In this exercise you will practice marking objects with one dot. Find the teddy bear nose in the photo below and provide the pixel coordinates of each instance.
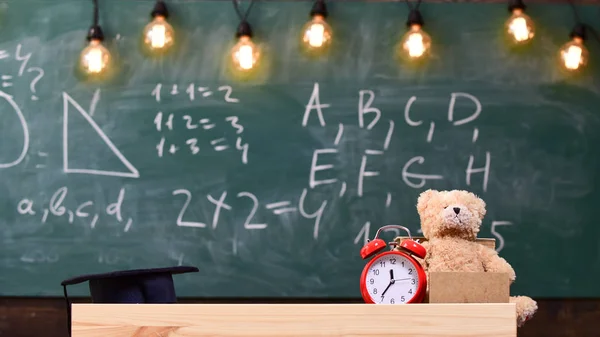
(456, 210)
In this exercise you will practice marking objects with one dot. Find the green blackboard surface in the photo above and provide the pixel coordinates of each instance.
(128, 173)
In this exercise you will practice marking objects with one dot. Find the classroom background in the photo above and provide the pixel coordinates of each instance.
(269, 168)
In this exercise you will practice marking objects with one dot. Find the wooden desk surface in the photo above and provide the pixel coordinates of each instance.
(282, 320)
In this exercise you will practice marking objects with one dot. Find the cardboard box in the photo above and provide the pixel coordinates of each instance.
(462, 287)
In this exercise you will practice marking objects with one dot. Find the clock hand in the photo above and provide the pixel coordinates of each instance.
(402, 279)
(391, 282)
(386, 289)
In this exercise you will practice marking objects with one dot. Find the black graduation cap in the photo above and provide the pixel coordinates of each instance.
(130, 286)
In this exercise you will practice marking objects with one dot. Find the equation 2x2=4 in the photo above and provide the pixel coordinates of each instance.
(277, 208)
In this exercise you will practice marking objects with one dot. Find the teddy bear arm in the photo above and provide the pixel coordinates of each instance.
(496, 264)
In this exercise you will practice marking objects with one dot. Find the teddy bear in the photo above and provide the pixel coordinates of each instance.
(450, 221)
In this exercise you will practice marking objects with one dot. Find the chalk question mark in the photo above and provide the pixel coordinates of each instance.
(40, 72)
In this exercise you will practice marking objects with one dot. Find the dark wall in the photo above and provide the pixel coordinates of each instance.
(33, 317)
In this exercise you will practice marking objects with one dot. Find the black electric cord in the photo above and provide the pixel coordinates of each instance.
(414, 16)
(95, 31)
(160, 9)
(244, 28)
(581, 29)
(319, 8)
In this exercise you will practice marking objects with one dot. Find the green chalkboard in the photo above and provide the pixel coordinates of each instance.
(174, 161)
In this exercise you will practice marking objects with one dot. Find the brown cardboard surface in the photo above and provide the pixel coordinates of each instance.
(463, 287)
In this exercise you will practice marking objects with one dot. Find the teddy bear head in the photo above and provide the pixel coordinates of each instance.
(454, 213)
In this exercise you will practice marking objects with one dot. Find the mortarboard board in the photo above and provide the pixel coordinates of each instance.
(129, 286)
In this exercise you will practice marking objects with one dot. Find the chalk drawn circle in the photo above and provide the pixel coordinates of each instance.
(14, 105)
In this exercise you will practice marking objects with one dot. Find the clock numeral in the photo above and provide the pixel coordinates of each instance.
(412, 281)
(376, 271)
(382, 263)
(402, 299)
(371, 281)
(402, 263)
(410, 271)
(375, 291)
(392, 301)
(393, 261)
(410, 291)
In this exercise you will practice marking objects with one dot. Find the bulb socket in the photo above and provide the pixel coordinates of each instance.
(414, 18)
(578, 31)
(516, 4)
(244, 29)
(319, 8)
(160, 9)
(95, 33)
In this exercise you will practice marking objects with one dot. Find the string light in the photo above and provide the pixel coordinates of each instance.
(415, 43)
(316, 34)
(95, 58)
(244, 54)
(519, 26)
(159, 34)
(574, 54)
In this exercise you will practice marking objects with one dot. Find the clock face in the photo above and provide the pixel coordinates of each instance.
(392, 279)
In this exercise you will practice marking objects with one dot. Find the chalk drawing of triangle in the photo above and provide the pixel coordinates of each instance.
(131, 171)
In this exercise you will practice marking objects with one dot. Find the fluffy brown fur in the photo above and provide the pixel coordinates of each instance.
(450, 221)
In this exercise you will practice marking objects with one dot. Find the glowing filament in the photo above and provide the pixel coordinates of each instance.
(415, 45)
(316, 35)
(518, 28)
(157, 36)
(572, 57)
(245, 57)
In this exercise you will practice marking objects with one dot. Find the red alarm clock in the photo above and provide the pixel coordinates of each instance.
(393, 277)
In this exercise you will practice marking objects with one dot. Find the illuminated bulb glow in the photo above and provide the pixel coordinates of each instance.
(520, 26)
(159, 34)
(415, 45)
(95, 57)
(416, 42)
(315, 35)
(245, 58)
(572, 57)
(574, 54)
(245, 54)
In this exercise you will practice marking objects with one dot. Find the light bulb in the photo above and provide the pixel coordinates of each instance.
(416, 43)
(95, 57)
(244, 54)
(574, 54)
(316, 34)
(520, 27)
(159, 34)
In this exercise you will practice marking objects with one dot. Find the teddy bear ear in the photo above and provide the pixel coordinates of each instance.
(424, 199)
(480, 207)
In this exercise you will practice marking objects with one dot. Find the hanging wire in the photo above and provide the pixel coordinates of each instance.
(411, 6)
(95, 12)
(244, 17)
(586, 27)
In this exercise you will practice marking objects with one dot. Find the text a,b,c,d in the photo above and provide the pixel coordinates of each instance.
(56, 207)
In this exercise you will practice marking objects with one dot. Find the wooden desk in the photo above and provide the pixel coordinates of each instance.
(282, 320)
